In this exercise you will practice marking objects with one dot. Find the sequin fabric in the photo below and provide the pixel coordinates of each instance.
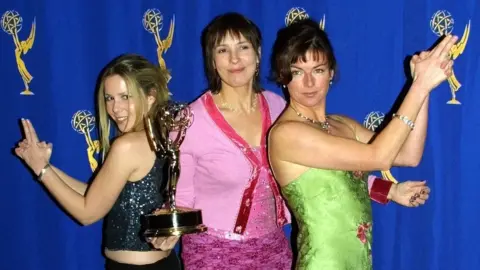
(123, 222)
(262, 246)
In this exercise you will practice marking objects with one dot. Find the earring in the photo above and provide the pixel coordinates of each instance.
(257, 70)
(331, 82)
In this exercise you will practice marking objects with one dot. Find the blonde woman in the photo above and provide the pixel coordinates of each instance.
(129, 180)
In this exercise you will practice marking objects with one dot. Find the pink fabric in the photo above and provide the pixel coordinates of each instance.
(205, 252)
(371, 179)
(262, 215)
(256, 163)
(214, 171)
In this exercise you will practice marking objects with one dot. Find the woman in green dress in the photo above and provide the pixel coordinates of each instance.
(323, 171)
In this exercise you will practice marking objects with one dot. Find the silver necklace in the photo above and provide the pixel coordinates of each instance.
(323, 125)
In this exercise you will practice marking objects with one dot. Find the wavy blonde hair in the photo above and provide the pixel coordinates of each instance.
(143, 79)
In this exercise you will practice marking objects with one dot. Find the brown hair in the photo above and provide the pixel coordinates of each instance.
(292, 43)
(233, 24)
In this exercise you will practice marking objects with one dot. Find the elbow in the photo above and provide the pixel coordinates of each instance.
(411, 161)
(88, 220)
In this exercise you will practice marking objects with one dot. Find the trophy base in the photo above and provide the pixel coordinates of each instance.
(178, 231)
(27, 92)
(454, 101)
(176, 222)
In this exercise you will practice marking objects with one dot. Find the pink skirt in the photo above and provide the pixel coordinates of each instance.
(203, 251)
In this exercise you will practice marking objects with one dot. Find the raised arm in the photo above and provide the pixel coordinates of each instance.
(104, 190)
(411, 152)
(317, 149)
(77, 185)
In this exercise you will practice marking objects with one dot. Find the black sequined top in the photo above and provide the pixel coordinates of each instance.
(123, 230)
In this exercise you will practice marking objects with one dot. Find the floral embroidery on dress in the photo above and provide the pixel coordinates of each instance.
(357, 175)
(364, 234)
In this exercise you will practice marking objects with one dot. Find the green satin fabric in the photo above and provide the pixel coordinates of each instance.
(334, 216)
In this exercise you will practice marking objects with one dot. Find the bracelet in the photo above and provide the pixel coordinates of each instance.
(42, 172)
(380, 189)
(405, 120)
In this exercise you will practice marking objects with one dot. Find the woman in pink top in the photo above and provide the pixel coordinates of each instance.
(224, 167)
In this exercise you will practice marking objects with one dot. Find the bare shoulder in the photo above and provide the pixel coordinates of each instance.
(130, 144)
(286, 130)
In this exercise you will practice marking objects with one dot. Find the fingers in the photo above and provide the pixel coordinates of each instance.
(23, 144)
(18, 151)
(33, 133)
(30, 134)
(26, 130)
(424, 55)
(425, 190)
(164, 243)
(419, 197)
(443, 48)
(415, 184)
(415, 59)
(436, 52)
(170, 242)
(419, 57)
(449, 68)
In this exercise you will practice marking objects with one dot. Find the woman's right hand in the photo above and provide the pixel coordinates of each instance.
(36, 154)
(436, 66)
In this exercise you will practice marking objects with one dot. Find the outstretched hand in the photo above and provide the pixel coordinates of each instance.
(431, 68)
(36, 154)
(410, 193)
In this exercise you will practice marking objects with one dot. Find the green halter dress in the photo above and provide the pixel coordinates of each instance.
(334, 216)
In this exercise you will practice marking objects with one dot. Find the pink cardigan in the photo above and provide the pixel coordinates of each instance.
(218, 170)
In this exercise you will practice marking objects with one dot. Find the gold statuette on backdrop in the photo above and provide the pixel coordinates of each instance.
(165, 135)
(12, 24)
(299, 13)
(153, 23)
(441, 24)
(83, 122)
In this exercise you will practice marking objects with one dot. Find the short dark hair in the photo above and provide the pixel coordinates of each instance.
(236, 25)
(292, 43)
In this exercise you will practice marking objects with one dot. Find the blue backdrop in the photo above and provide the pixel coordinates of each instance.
(52, 52)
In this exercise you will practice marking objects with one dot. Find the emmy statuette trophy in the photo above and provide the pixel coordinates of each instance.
(172, 220)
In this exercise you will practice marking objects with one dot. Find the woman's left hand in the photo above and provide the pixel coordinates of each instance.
(35, 154)
(410, 193)
(164, 243)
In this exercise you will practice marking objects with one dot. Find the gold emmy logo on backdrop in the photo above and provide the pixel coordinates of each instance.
(12, 25)
(441, 24)
(83, 122)
(153, 23)
(372, 121)
(299, 13)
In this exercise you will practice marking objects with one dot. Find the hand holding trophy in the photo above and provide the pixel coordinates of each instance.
(165, 136)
